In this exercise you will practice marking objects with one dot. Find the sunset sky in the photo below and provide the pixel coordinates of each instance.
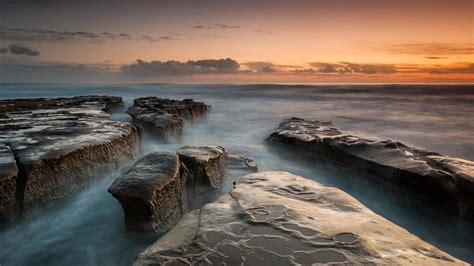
(258, 41)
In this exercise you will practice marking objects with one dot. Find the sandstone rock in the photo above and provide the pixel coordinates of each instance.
(443, 180)
(61, 144)
(152, 193)
(8, 176)
(241, 163)
(275, 218)
(206, 166)
(164, 117)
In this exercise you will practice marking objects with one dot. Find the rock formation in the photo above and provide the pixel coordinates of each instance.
(241, 163)
(152, 193)
(164, 117)
(58, 145)
(444, 180)
(160, 187)
(275, 218)
(206, 166)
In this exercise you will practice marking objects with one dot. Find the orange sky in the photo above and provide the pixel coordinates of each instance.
(293, 41)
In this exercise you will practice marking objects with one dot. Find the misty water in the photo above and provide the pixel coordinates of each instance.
(87, 228)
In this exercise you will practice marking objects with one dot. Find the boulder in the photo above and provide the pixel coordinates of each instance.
(276, 218)
(152, 193)
(164, 117)
(206, 166)
(59, 145)
(441, 179)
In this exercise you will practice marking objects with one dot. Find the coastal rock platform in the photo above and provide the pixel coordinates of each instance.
(441, 179)
(276, 218)
(57, 146)
(164, 117)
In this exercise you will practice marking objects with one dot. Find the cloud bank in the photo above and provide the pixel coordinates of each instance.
(177, 68)
(18, 49)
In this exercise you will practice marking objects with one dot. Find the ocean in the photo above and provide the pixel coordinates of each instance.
(87, 228)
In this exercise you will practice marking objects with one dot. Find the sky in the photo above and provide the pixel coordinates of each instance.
(238, 41)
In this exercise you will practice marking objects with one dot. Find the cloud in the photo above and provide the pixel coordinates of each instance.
(431, 48)
(17, 49)
(261, 66)
(42, 35)
(3, 50)
(225, 26)
(177, 68)
(348, 67)
(216, 26)
(436, 57)
(467, 68)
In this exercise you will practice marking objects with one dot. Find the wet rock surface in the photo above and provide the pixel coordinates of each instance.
(8, 176)
(152, 193)
(276, 218)
(206, 169)
(59, 145)
(241, 163)
(443, 180)
(164, 117)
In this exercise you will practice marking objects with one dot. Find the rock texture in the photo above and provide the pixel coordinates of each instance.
(241, 163)
(443, 180)
(8, 176)
(164, 117)
(206, 166)
(58, 146)
(275, 218)
(152, 193)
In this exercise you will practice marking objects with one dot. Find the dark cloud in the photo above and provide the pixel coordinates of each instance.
(3, 50)
(177, 68)
(216, 26)
(436, 57)
(21, 34)
(347, 67)
(17, 49)
(225, 26)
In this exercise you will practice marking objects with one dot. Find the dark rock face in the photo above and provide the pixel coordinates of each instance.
(61, 144)
(164, 117)
(276, 218)
(206, 166)
(8, 176)
(444, 180)
(152, 193)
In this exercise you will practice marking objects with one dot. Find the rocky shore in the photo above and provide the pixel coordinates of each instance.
(276, 218)
(441, 179)
(52, 147)
(165, 118)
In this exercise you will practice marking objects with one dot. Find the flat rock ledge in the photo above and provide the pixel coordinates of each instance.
(276, 218)
(50, 148)
(164, 117)
(441, 179)
(161, 187)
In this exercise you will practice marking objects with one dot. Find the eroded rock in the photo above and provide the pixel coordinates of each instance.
(61, 144)
(206, 166)
(152, 193)
(241, 163)
(8, 180)
(444, 180)
(165, 117)
(276, 218)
